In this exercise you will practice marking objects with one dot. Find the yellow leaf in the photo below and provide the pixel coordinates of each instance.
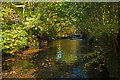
(98, 52)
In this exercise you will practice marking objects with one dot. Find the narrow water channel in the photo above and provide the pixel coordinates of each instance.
(53, 60)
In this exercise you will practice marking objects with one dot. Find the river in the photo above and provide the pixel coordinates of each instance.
(56, 59)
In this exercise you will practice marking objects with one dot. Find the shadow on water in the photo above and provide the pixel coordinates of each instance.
(60, 60)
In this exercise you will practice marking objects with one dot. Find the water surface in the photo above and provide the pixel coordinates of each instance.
(53, 60)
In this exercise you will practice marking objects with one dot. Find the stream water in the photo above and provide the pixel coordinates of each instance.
(57, 59)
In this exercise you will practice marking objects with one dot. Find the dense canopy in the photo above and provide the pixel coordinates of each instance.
(24, 23)
(29, 23)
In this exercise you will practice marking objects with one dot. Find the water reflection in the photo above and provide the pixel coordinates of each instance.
(43, 64)
(69, 50)
(75, 73)
(59, 53)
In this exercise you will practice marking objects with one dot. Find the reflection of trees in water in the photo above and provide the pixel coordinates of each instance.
(71, 49)
(45, 62)
(68, 49)
(52, 70)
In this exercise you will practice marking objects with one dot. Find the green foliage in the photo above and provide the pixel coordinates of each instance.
(13, 40)
(43, 20)
(95, 59)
